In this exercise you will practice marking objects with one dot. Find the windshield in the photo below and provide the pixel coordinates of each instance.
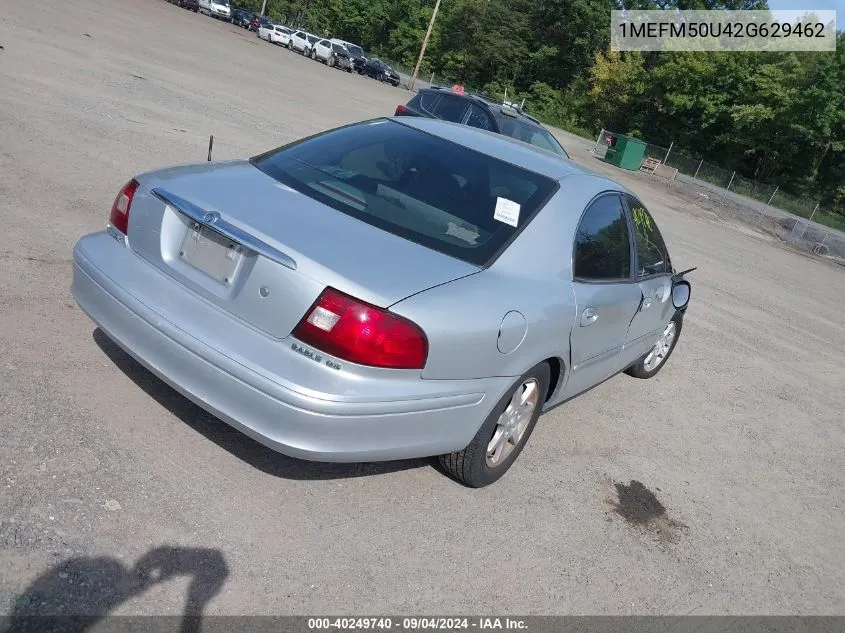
(529, 133)
(414, 185)
(224, 3)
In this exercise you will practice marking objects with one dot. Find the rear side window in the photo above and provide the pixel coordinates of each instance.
(428, 102)
(602, 249)
(652, 255)
(415, 185)
(478, 117)
(450, 108)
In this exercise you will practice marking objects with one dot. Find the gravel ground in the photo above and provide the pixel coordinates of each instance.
(716, 488)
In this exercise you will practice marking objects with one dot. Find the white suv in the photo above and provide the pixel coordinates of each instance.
(322, 50)
(302, 42)
(216, 8)
(275, 34)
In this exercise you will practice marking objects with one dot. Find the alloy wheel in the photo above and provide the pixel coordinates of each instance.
(512, 423)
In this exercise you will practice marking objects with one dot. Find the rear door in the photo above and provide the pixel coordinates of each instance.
(606, 296)
(652, 272)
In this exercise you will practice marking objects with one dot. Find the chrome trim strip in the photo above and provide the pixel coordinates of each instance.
(215, 223)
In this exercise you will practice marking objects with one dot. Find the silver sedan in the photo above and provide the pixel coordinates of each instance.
(391, 289)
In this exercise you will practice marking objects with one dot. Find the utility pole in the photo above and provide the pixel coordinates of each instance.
(424, 44)
(263, 7)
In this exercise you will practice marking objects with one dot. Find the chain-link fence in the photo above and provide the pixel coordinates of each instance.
(820, 230)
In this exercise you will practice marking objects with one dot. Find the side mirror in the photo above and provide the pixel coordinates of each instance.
(681, 292)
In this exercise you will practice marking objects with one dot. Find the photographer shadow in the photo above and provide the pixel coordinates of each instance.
(76, 594)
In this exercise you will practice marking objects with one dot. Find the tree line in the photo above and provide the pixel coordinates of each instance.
(773, 117)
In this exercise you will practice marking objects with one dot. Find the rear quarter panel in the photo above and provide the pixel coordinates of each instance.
(533, 276)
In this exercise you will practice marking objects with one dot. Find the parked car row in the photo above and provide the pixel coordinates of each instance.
(333, 52)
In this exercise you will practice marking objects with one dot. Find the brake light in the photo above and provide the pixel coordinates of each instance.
(362, 333)
(400, 109)
(119, 217)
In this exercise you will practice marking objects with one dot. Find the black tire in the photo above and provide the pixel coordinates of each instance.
(469, 466)
(639, 370)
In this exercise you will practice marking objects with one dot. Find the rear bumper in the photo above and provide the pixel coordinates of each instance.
(300, 420)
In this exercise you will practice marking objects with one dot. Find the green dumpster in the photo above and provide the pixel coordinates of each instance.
(625, 152)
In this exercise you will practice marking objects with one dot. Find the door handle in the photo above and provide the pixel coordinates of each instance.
(589, 316)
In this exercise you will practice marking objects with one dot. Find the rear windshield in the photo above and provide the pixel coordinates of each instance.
(356, 50)
(415, 185)
(312, 38)
(529, 133)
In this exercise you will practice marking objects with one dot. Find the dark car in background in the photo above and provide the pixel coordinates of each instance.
(377, 69)
(257, 21)
(506, 119)
(190, 5)
(241, 17)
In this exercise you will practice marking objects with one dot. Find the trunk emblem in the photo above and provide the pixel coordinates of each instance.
(210, 218)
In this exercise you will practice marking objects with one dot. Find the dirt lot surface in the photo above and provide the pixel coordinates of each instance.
(715, 488)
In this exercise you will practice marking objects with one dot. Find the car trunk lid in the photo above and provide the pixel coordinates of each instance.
(264, 252)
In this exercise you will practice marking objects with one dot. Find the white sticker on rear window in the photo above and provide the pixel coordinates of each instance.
(507, 211)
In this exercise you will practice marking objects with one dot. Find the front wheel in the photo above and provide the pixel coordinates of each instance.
(290, 45)
(504, 433)
(652, 362)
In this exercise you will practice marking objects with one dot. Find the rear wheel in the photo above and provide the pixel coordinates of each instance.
(504, 433)
(652, 362)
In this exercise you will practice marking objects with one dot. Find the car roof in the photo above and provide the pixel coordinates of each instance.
(517, 113)
(508, 149)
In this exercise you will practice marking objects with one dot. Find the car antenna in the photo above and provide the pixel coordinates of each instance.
(210, 145)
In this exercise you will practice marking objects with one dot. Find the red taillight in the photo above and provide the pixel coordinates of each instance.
(119, 217)
(400, 109)
(362, 333)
